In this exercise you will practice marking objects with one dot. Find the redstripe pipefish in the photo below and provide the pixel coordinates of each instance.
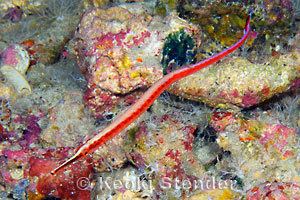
(124, 119)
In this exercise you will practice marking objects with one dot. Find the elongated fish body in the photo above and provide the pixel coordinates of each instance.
(125, 118)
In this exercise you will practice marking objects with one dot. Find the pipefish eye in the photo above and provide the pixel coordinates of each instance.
(109, 116)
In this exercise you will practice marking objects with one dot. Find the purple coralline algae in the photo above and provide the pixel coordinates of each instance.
(14, 14)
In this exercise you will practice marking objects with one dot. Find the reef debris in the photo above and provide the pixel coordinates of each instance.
(17, 57)
(269, 150)
(164, 149)
(16, 79)
(14, 64)
(274, 190)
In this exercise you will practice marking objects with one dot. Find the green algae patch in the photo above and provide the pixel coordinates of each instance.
(164, 7)
(131, 140)
(178, 50)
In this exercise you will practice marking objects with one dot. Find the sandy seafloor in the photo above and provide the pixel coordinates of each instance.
(188, 144)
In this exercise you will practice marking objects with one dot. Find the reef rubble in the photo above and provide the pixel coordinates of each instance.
(230, 131)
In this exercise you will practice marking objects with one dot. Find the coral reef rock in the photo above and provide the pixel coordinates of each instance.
(260, 151)
(16, 56)
(216, 194)
(119, 49)
(223, 21)
(111, 155)
(164, 148)
(68, 122)
(274, 190)
(131, 185)
(44, 27)
(238, 82)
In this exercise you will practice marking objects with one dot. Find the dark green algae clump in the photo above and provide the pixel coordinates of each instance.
(179, 49)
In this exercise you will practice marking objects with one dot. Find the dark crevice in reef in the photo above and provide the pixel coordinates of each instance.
(51, 198)
(269, 104)
(207, 135)
(173, 100)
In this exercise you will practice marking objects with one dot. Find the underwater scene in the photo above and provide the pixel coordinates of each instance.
(153, 99)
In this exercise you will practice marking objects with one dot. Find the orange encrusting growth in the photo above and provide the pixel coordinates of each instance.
(133, 112)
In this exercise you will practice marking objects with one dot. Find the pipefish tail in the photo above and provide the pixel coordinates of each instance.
(125, 118)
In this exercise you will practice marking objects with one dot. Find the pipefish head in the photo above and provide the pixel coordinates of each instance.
(81, 151)
(67, 162)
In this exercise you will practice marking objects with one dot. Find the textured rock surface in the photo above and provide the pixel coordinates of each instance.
(238, 82)
(6, 91)
(216, 194)
(15, 56)
(169, 137)
(111, 155)
(261, 151)
(14, 63)
(132, 184)
(119, 49)
(164, 149)
(274, 190)
(223, 21)
(48, 24)
(64, 185)
(68, 121)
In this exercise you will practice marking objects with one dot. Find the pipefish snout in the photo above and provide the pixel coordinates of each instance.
(125, 118)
